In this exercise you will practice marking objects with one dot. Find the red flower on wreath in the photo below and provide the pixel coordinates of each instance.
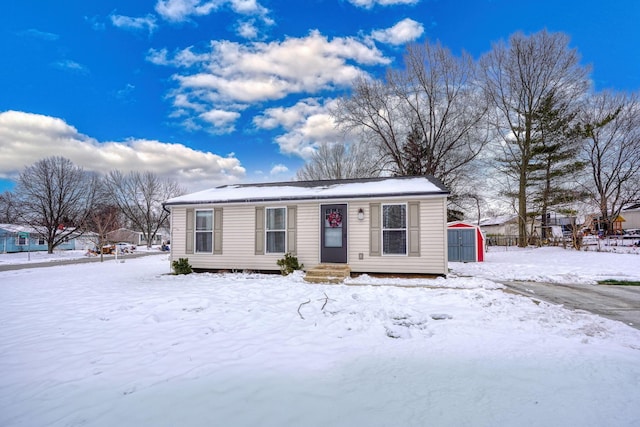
(335, 219)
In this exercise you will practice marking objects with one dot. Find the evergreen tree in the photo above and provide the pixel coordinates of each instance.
(414, 153)
(554, 155)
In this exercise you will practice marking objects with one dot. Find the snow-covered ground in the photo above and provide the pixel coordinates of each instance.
(127, 344)
(555, 265)
(58, 255)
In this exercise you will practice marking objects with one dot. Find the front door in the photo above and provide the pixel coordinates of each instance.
(333, 230)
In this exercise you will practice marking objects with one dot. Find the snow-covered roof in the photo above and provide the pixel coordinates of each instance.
(498, 220)
(316, 190)
(17, 228)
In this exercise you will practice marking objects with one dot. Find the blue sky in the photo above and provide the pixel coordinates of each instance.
(210, 92)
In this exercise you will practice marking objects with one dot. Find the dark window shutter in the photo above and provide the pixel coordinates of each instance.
(413, 228)
(217, 231)
(375, 224)
(189, 231)
(259, 231)
(292, 223)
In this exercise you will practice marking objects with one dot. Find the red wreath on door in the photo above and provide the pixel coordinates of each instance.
(335, 219)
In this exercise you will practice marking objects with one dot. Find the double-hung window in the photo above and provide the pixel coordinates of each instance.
(276, 229)
(394, 229)
(204, 231)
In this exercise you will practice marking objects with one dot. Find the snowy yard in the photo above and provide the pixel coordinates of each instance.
(126, 344)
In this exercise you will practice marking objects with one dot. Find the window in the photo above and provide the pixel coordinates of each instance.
(22, 240)
(394, 229)
(41, 241)
(204, 231)
(276, 229)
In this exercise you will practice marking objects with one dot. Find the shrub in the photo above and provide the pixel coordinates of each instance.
(181, 266)
(289, 264)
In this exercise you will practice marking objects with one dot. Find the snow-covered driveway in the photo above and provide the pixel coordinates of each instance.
(620, 303)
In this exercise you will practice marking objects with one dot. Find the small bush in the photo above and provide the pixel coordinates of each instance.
(181, 266)
(289, 264)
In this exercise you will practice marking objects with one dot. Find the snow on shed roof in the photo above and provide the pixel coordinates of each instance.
(316, 190)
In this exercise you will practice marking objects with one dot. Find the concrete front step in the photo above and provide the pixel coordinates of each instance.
(328, 273)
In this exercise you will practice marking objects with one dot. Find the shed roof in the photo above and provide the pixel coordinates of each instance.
(316, 190)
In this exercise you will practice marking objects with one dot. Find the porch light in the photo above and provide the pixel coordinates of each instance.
(360, 214)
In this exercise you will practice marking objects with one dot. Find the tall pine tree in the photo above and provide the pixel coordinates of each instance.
(554, 159)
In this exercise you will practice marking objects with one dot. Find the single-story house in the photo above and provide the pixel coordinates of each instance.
(22, 238)
(632, 215)
(375, 225)
(504, 225)
(134, 237)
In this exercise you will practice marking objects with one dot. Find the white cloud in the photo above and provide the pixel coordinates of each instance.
(307, 124)
(232, 75)
(43, 35)
(69, 65)
(125, 93)
(95, 22)
(146, 23)
(278, 169)
(183, 10)
(158, 57)
(368, 4)
(222, 120)
(247, 29)
(403, 32)
(26, 138)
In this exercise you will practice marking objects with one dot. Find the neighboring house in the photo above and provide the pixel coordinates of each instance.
(87, 241)
(376, 225)
(632, 216)
(505, 225)
(134, 237)
(559, 225)
(22, 238)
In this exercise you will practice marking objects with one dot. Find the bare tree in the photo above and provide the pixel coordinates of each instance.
(610, 124)
(105, 217)
(425, 119)
(140, 195)
(55, 199)
(8, 208)
(339, 161)
(517, 77)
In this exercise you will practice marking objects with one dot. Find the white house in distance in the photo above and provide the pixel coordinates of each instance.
(632, 217)
(375, 225)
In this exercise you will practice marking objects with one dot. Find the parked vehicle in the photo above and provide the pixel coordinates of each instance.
(125, 247)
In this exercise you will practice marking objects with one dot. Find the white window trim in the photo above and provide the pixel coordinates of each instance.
(405, 229)
(266, 230)
(196, 231)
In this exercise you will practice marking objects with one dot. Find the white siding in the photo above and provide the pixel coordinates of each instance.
(632, 218)
(433, 251)
(238, 252)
